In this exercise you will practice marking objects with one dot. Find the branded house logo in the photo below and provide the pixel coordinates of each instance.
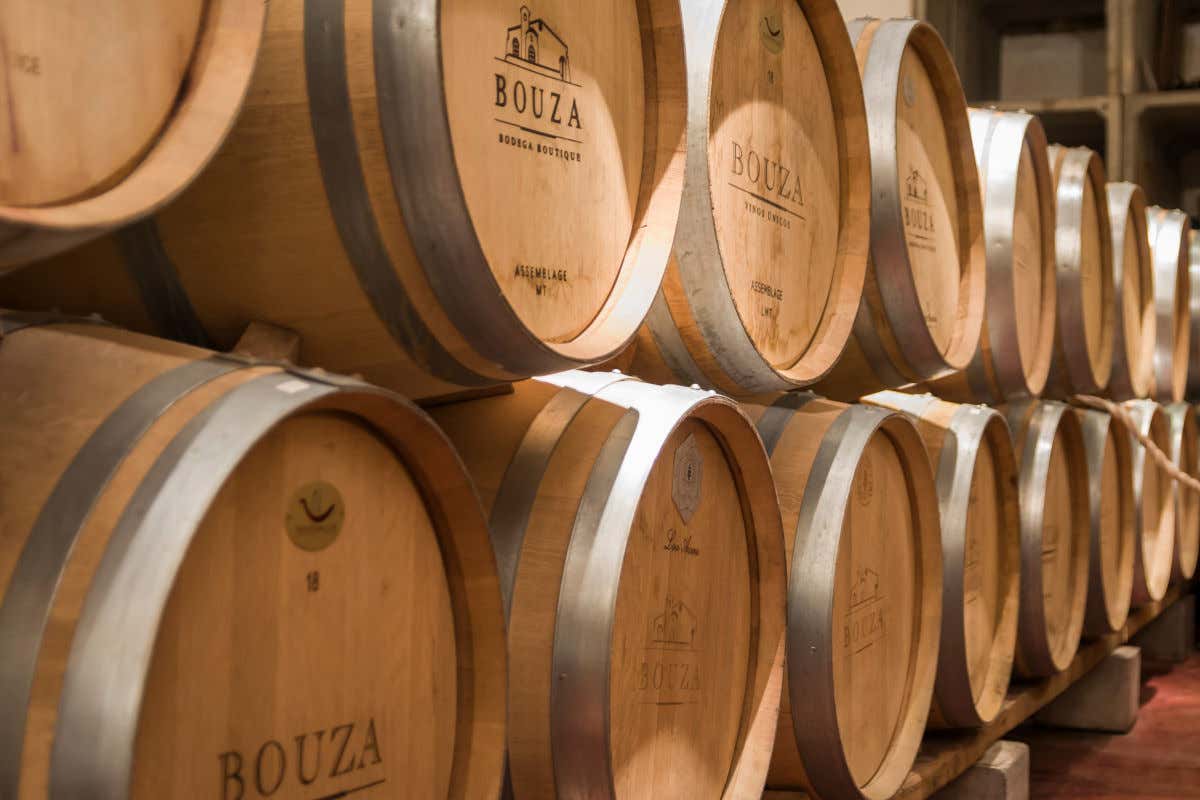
(864, 622)
(915, 188)
(536, 95)
(918, 219)
(675, 628)
(535, 45)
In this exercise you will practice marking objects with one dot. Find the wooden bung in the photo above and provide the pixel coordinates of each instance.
(864, 594)
(1084, 338)
(1111, 512)
(437, 196)
(296, 564)
(1185, 454)
(922, 308)
(1169, 248)
(1154, 502)
(111, 109)
(1133, 285)
(1055, 534)
(1013, 357)
(771, 249)
(1193, 379)
(976, 472)
(642, 566)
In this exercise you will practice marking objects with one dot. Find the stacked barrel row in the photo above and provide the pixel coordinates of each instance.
(238, 573)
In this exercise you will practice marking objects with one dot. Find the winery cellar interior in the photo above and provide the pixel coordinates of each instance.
(609, 400)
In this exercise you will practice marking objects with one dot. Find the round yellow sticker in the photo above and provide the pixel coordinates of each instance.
(315, 515)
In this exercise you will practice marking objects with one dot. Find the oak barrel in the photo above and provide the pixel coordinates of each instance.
(864, 594)
(976, 472)
(1185, 454)
(1133, 284)
(1169, 249)
(212, 565)
(1154, 501)
(922, 309)
(771, 249)
(1013, 357)
(1193, 379)
(1111, 511)
(643, 572)
(1055, 534)
(1084, 337)
(437, 196)
(111, 109)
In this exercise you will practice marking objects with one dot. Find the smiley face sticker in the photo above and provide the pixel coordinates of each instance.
(315, 514)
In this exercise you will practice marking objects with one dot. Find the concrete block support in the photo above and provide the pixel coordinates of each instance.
(1171, 637)
(1002, 774)
(1106, 699)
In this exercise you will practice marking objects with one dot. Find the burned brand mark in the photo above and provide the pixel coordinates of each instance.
(544, 280)
(680, 544)
(864, 623)
(537, 105)
(338, 754)
(918, 217)
(669, 665)
(775, 186)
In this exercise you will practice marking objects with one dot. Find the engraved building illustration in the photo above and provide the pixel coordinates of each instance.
(675, 626)
(534, 44)
(866, 588)
(915, 187)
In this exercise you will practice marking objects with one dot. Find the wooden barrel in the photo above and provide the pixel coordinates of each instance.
(1013, 357)
(642, 562)
(111, 109)
(864, 600)
(1185, 454)
(771, 249)
(1111, 512)
(1154, 500)
(280, 558)
(976, 472)
(1084, 339)
(1133, 284)
(1193, 379)
(1169, 247)
(922, 309)
(435, 196)
(1055, 534)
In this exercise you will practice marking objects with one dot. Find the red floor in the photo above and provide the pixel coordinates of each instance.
(1159, 758)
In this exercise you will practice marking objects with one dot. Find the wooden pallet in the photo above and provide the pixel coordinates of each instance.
(946, 755)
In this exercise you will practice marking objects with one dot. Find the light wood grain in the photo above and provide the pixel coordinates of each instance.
(1156, 499)
(141, 95)
(86, 90)
(676, 704)
(770, 259)
(931, 210)
(883, 600)
(570, 247)
(1133, 367)
(270, 651)
(982, 543)
(691, 699)
(923, 298)
(946, 756)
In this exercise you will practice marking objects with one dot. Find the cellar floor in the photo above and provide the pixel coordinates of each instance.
(1159, 758)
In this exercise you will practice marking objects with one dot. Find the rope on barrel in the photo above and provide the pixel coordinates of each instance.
(1118, 412)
